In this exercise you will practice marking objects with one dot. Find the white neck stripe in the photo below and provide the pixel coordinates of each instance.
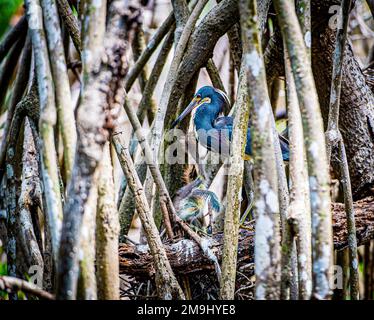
(224, 96)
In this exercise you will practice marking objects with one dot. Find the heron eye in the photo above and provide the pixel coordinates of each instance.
(198, 96)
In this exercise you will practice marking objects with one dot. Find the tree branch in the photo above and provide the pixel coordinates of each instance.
(15, 284)
(167, 284)
(49, 173)
(266, 197)
(107, 230)
(8, 67)
(101, 101)
(319, 177)
(71, 23)
(234, 184)
(64, 106)
(12, 36)
(146, 54)
(185, 256)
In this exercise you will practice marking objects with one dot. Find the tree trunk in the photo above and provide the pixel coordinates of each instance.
(356, 119)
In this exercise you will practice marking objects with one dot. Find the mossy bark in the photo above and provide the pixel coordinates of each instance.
(319, 178)
(267, 239)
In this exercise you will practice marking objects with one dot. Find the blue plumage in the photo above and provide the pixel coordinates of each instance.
(215, 132)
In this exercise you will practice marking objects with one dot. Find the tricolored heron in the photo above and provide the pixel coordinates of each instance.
(197, 206)
(213, 131)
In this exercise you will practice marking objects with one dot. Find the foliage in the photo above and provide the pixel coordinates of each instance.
(7, 9)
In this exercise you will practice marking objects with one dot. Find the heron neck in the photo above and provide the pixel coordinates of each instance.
(205, 116)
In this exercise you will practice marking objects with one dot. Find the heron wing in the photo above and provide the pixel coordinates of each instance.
(283, 139)
(285, 147)
(226, 124)
(217, 139)
(223, 122)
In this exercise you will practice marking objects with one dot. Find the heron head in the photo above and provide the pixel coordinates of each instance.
(208, 97)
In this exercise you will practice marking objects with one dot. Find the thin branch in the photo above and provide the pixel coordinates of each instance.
(138, 46)
(262, 12)
(155, 171)
(273, 57)
(12, 183)
(29, 197)
(126, 209)
(214, 75)
(234, 187)
(303, 10)
(70, 22)
(351, 224)
(93, 31)
(332, 133)
(248, 183)
(19, 87)
(232, 76)
(146, 54)
(371, 6)
(299, 210)
(15, 284)
(8, 67)
(107, 230)
(236, 47)
(12, 37)
(333, 138)
(49, 172)
(288, 259)
(65, 111)
(181, 13)
(80, 6)
(170, 80)
(167, 285)
(49, 258)
(153, 79)
(87, 287)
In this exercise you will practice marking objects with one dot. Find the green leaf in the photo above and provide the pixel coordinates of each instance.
(7, 9)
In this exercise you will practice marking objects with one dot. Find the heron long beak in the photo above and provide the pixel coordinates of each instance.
(193, 104)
